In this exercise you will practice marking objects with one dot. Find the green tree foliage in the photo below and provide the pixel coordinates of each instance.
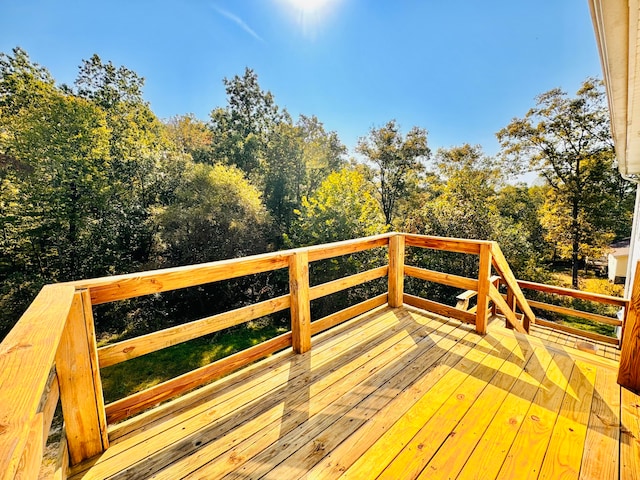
(54, 155)
(297, 158)
(241, 130)
(397, 162)
(343, 207)
(217, 214)
(568, 142)
(467, 198)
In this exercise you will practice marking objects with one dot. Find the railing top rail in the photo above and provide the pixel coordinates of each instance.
(120, 287)
(26, 357)
(451, 244)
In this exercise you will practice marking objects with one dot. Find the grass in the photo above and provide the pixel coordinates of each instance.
(140, 373)
(591, 283)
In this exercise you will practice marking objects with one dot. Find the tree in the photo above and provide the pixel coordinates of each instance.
(217, 215)
(241, 129)
(297, 159)
(138, 151)
(191, 137)
(53, 170)
(342, 208)
(397, 162)
(568, 142)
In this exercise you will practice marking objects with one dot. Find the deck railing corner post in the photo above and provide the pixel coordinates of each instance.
(80, 385)
(396, 270)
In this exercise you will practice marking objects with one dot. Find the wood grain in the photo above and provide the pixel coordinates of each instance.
(444, 243)
(575, 313)
(329, 250)
(577, 332)
(629, 435)
(502, 266)
(396, 270)
(629, 373)
(81, 395)
(509, 315)
(27, 353)
(570, 292)
(121, 287)
(564, 452)
(484, 286)
(347, 314)
(601, 455)
(300, 301)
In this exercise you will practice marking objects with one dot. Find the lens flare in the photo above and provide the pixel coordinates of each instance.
(310, 15)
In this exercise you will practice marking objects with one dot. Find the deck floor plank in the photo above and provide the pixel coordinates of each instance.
(602, 445)
(564, 453)
(305, 446)
(394, 393)
(183, 431)
(528, 450)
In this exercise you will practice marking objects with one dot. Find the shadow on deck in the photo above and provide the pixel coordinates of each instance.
(394, 393)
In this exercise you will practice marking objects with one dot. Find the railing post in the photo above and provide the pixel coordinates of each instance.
(511, 301)
(300, 303)
(396, 270)
(629, 369)
(80, 385)
(494, 307)
(484, 283)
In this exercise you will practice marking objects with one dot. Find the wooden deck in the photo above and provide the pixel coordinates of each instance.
(395, 393)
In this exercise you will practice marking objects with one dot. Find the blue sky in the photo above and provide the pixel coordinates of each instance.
(459, 68)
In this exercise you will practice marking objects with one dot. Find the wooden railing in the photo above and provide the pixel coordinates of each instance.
(51, 353)
(621, 303)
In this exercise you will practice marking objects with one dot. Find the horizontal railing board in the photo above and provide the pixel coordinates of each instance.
(439, 308)
(577, 332)
(347, 282)
(576, 313)
(458, 245)
(135, 347)
(570, 292)
(121, 287)
(439, 277)
(140, 401)
(346, 247)
(27, 353)
(346, 314)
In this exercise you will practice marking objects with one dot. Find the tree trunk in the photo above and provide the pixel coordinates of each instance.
(575, 245)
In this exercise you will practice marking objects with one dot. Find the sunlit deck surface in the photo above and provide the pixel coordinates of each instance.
(395, 393)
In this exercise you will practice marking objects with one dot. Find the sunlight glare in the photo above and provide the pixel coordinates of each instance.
(309, 14)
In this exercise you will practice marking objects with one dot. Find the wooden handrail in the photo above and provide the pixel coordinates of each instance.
(502, 267)
(26, 357)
